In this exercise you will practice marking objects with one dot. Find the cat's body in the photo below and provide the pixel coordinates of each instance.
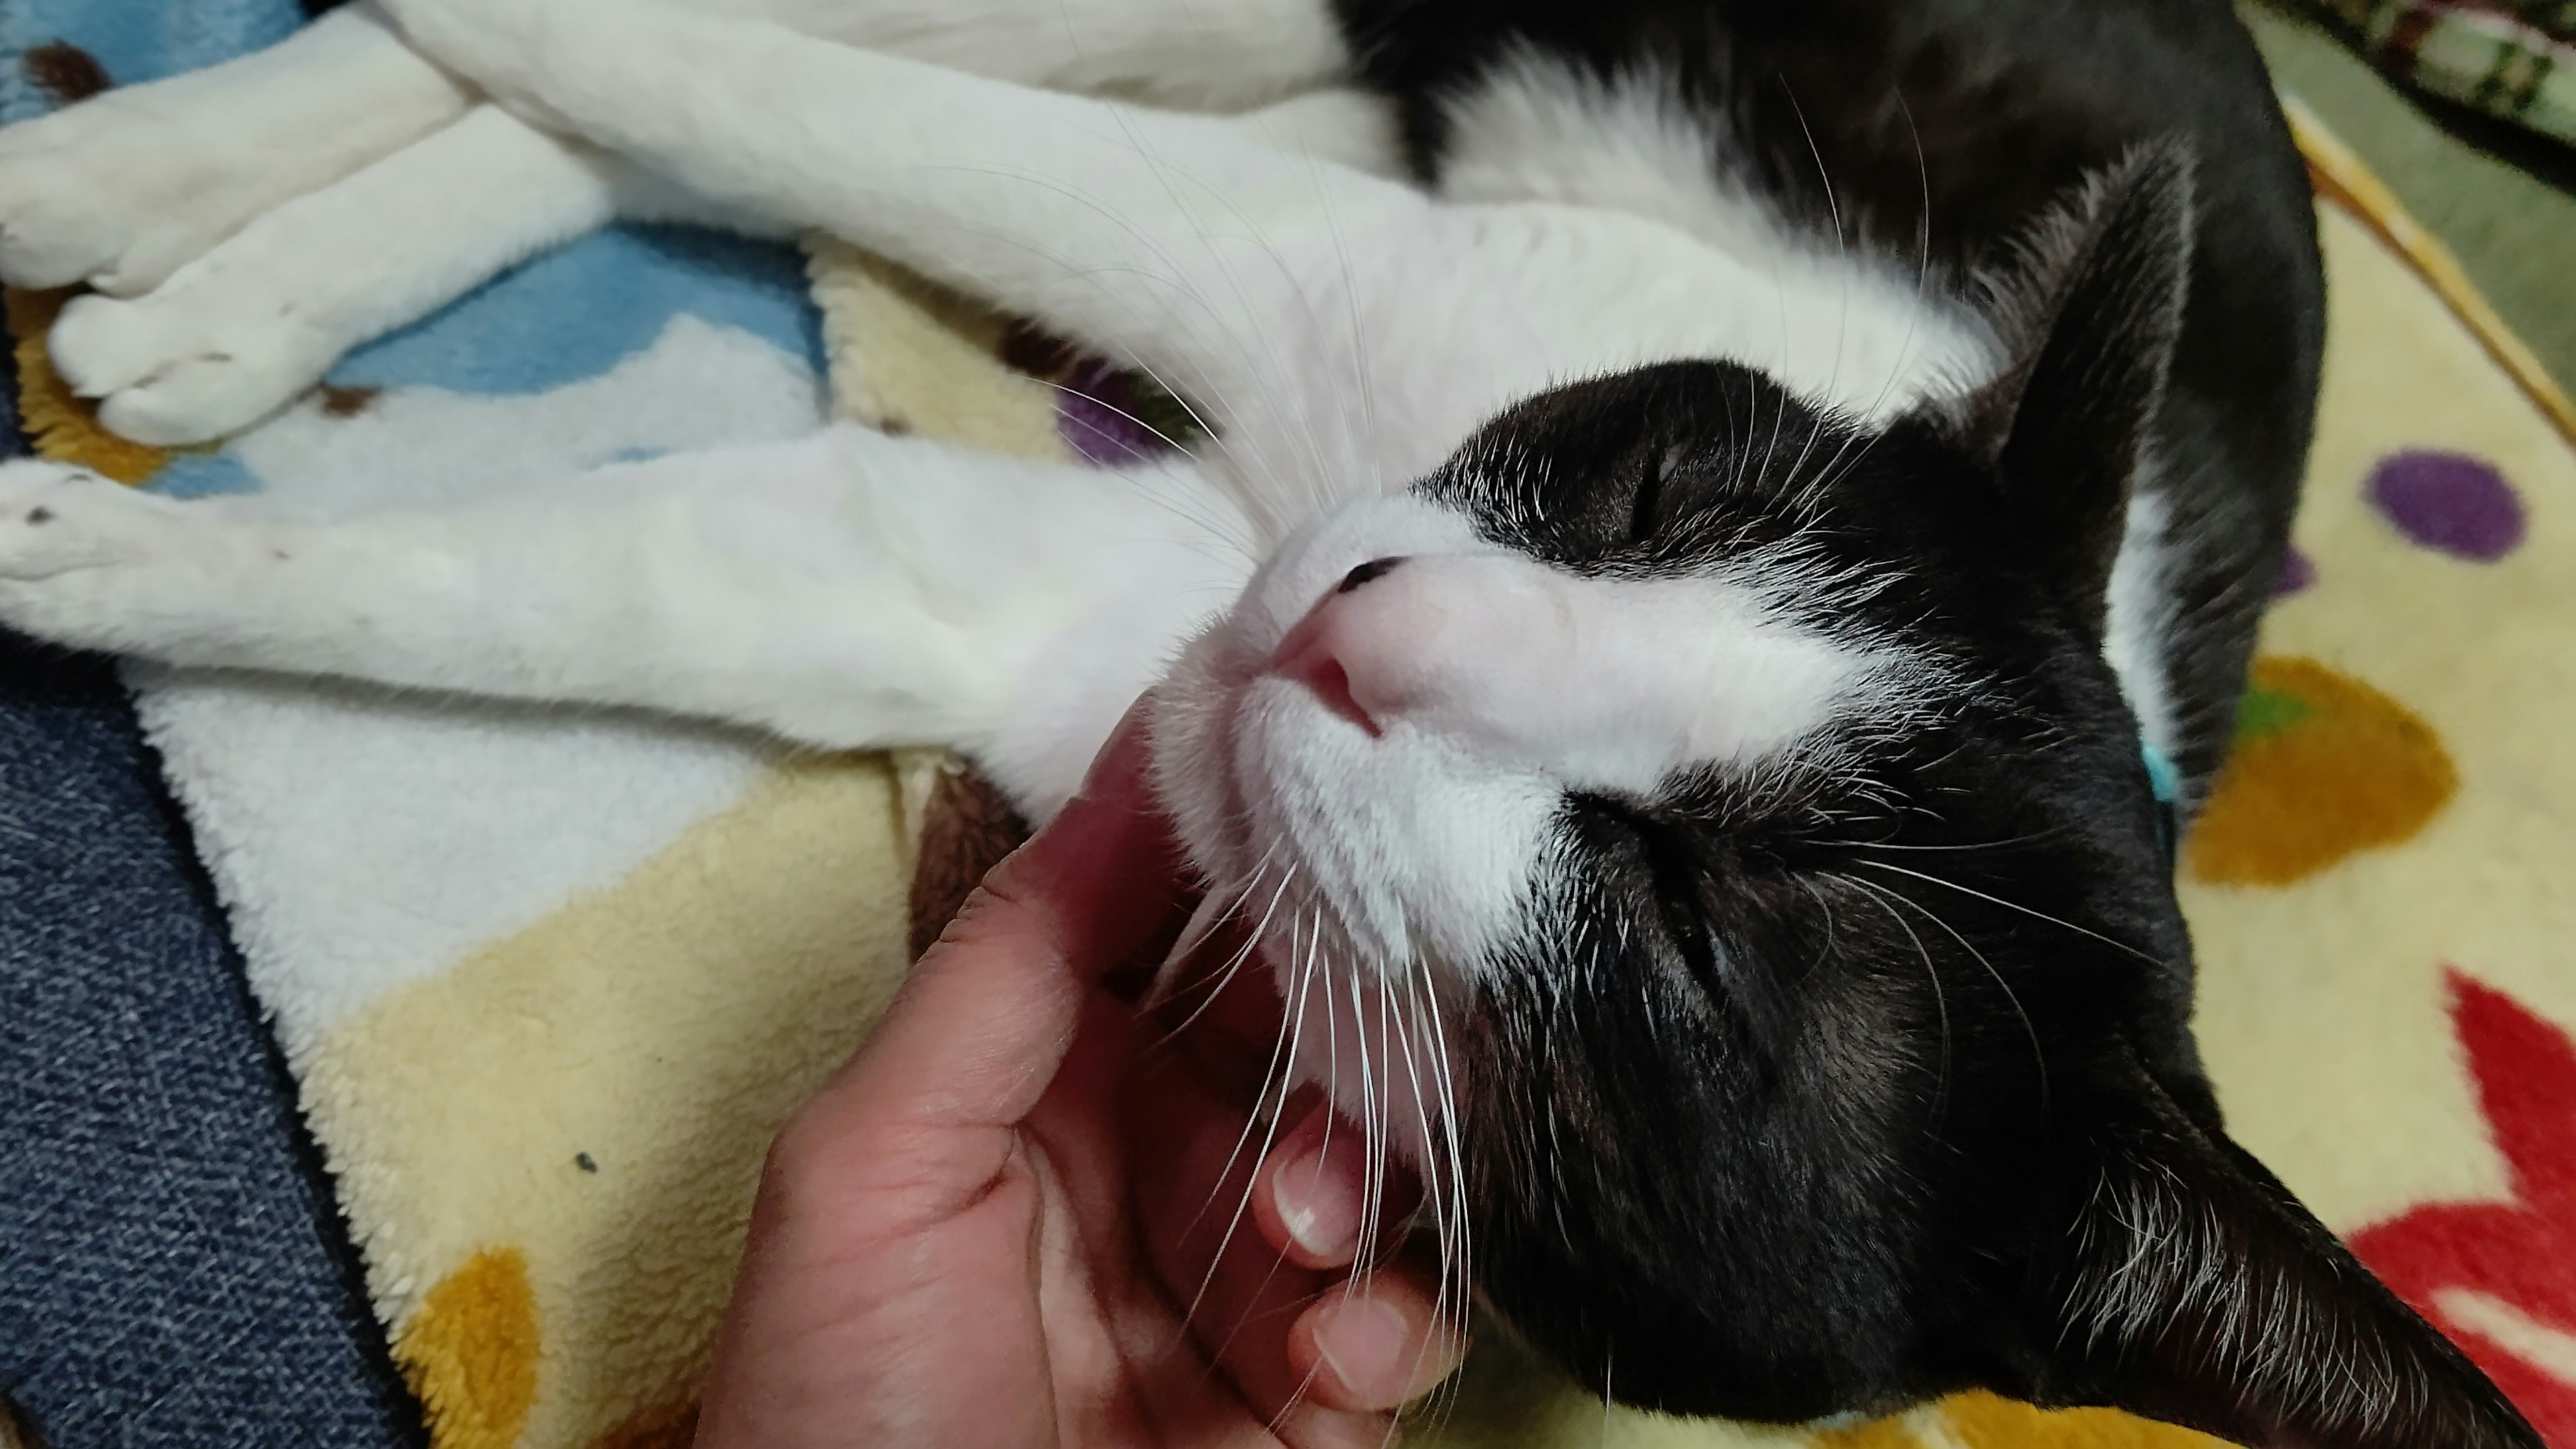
(1706, 553)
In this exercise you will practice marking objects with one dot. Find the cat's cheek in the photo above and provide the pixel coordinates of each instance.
(1191, 732)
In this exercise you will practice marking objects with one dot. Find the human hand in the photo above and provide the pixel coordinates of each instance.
(1011, 1220)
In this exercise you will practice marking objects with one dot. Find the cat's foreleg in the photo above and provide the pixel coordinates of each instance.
(249, 326)
(121, 190)
(1190, 55)
(1173, 240)
(254, 322)
(845, 589)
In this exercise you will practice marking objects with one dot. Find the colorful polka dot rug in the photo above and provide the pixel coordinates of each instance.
(548, 981)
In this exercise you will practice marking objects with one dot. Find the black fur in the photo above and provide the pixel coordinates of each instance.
(1870, 1079)
(1994, 109)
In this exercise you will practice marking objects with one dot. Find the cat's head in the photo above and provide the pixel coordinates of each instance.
(1708, 838)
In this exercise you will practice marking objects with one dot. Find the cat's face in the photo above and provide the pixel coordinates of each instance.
(1708, 841)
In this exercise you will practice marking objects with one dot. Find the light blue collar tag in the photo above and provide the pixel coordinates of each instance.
(2167, 783)
(2162, 775)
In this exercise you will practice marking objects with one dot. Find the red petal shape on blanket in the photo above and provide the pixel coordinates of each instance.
(2519, 1257)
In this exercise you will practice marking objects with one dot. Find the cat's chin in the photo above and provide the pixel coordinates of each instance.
(1380, 871)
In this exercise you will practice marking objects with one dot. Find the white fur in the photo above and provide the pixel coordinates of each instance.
(1602, 684)
(1863, 331)
(1410, 845)
(1536, 128)
(846, 588)
(257, 319)
(255, 322)
(2139, 613)
(479, 819)
(119, 192)
(1342, 331)
(1200, 55)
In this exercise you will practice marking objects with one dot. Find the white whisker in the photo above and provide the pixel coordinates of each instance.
(2038, 1054)
(1940, 998)
(1262, 1112)
(2013, 906)
(1842, 249)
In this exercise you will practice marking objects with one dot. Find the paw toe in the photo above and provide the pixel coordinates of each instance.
(41, 249)
(100, 194)
(199, 399)
(147, 259)
(188, 364)
(100, 345)
(46, 522)
(191, 402)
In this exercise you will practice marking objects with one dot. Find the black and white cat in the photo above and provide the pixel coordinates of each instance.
(1727, 508)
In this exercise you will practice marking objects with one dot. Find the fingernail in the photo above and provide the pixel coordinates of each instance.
(1369, 1346)
(1319, 1197)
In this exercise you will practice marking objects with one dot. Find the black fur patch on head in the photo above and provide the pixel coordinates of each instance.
(1870, 1078)
(1753, 1129)
(1874, 1079)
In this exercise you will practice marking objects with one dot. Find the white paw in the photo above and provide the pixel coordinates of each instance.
(206, 355)
(108, 193)
(88, 563)
(57, 520)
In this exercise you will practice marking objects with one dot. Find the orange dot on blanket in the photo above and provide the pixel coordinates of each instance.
(2323, 765)
(65, 428)
(470, 1352)
(667, 1426)
(1875, 1434)
(1984, 1421)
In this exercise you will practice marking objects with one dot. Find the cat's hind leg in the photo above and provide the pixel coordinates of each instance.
(123, 189)
(846, 589)
(253, 323)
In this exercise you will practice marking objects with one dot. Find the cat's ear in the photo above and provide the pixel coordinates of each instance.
(2193, 1288)
(2087, 320)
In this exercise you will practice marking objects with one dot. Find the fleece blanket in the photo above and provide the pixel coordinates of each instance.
(548, 980)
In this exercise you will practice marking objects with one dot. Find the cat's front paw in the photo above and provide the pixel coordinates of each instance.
(205, 356)
(108, 193)
(55, 519)
(80, 557)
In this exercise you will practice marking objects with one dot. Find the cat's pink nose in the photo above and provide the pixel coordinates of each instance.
(1320, 652)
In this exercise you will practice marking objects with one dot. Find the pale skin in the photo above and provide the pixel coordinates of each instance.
(991, 1225)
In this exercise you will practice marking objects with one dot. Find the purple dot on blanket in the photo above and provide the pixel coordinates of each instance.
(1100, 416)
(2297, 572)
(2448, 502)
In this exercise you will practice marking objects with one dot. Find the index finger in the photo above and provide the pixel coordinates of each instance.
(1098, 883)
(984, 1020)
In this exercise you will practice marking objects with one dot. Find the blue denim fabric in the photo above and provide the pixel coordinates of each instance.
(172, 1270)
